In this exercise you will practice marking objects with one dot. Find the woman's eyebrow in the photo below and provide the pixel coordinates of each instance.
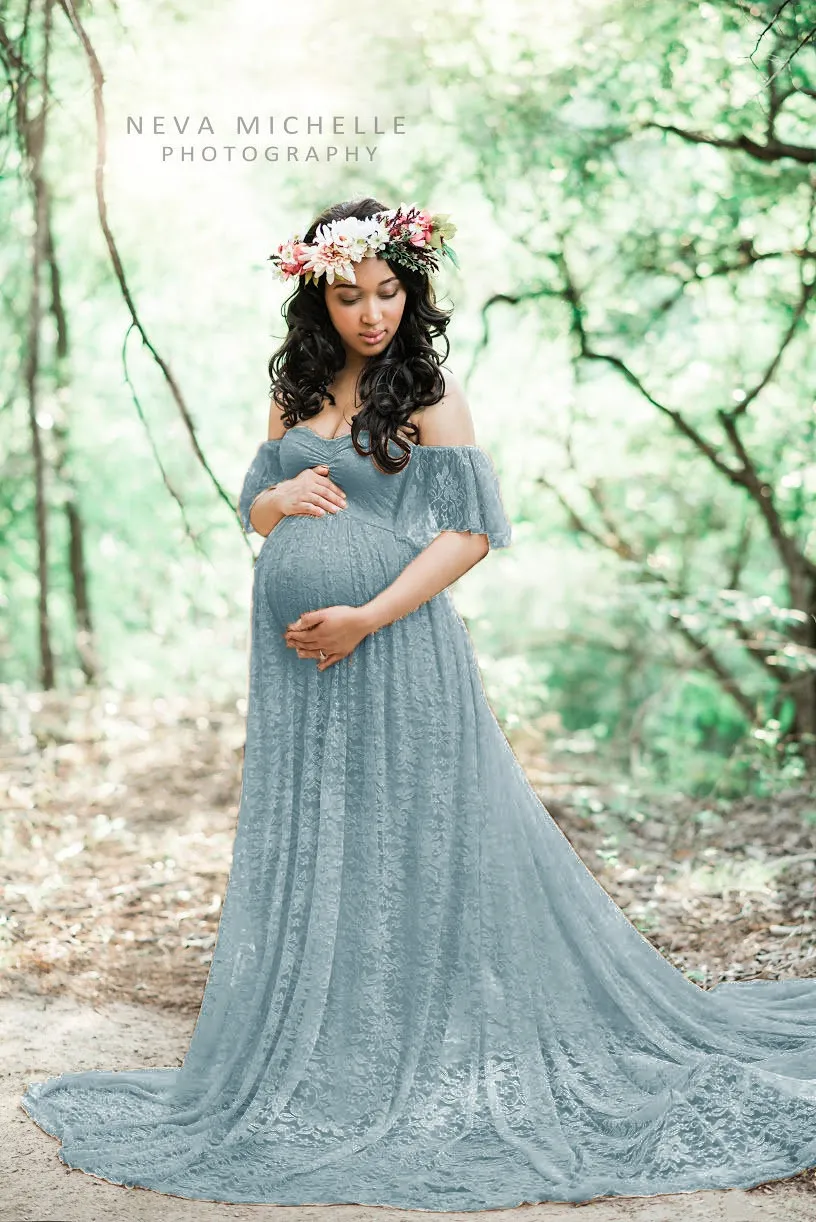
(352, 287)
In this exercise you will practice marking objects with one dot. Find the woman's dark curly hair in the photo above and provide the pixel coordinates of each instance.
(393, 383)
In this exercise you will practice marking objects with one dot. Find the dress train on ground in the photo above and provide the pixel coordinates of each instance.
(420, 996)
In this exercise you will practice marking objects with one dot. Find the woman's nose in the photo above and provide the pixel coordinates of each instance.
(372, 315)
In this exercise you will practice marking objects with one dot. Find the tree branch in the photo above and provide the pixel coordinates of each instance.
(615, 542)
(99, 110)
(772, 150)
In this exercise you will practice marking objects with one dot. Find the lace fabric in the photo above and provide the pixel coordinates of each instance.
(455, 488)
(420, 996)
(449, 488)
(264, 470)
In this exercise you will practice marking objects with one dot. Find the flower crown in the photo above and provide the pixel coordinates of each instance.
(409, 236)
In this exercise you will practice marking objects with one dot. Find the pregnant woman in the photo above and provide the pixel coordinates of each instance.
(419, 996)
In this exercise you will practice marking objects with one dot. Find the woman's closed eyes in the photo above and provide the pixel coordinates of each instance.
(354, 300)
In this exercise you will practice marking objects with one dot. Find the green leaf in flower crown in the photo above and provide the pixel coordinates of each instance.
(443, 226)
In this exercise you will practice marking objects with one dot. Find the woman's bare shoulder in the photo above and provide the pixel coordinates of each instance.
(448, 422)
(276, 429)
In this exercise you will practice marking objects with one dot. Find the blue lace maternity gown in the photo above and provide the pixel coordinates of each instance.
(420, 996)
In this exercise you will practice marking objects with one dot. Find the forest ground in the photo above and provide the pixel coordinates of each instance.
(118, 818)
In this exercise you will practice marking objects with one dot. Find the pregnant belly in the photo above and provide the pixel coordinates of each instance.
(307, 563)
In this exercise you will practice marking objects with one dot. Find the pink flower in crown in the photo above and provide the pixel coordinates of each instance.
(326, 257)
(420, 227)
(412, 223)
(290, 257)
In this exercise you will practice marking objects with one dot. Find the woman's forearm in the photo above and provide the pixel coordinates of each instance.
(441, 563)
(264, 512)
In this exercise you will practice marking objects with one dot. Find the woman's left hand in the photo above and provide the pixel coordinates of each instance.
(335, 630)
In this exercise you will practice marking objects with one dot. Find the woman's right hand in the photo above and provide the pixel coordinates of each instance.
(310, 492)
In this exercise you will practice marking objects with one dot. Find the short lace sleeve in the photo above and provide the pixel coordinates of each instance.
(264, 470)
(459, 489)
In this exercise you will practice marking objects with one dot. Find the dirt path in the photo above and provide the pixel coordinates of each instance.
(44, 1035)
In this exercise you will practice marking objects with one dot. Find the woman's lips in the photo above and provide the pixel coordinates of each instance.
(373, 339)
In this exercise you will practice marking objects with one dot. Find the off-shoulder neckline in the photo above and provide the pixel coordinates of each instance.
(319, 436)
(272, 441)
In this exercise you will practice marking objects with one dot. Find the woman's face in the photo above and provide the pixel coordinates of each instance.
(374, 304)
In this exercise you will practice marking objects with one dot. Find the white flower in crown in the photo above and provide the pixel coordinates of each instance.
(339, 244)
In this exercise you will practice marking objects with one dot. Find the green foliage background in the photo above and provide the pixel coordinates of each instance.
(634, 190)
